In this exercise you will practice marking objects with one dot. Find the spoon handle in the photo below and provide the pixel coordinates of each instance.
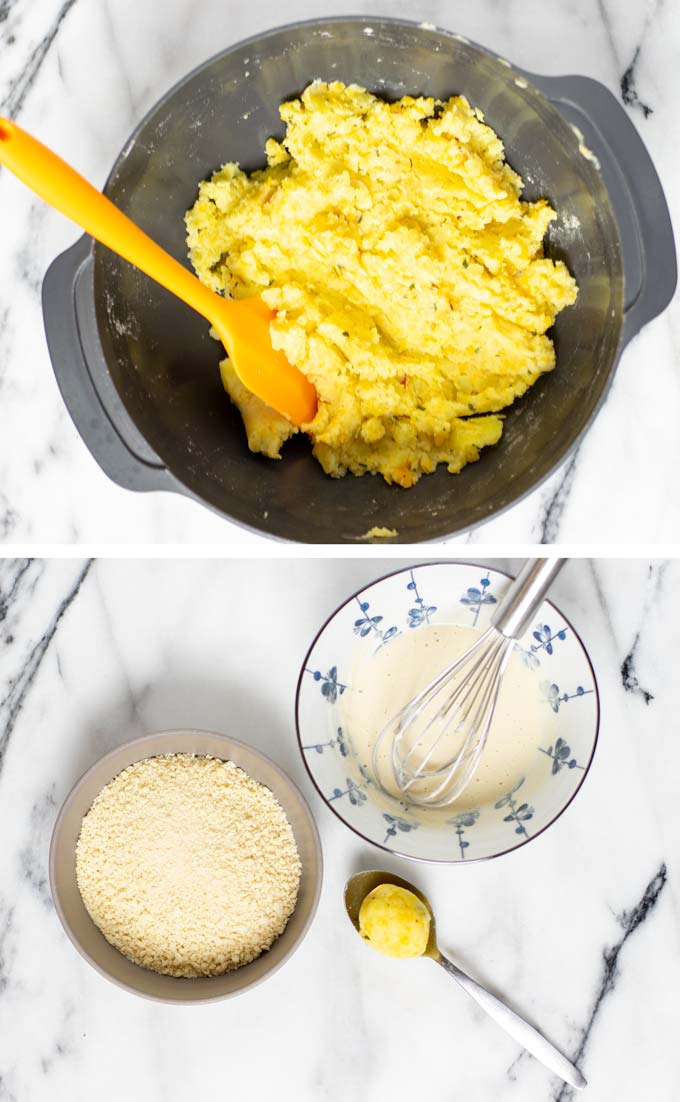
(533, 1041)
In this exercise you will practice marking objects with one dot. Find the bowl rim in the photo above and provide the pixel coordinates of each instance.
(137, 742)
(366, 19)
(410, 856)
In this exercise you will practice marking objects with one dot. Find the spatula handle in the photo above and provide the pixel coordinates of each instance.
(68, 192)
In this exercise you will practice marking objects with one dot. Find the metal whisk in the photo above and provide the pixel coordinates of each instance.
(436, 741)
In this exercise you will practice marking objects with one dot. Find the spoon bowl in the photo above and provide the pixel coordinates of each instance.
(356, 890)
(362, 884)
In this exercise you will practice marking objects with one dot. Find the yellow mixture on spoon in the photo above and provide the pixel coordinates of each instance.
(395, 922)
(407, 277)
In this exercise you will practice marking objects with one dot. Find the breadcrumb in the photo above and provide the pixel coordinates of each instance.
(187, 865)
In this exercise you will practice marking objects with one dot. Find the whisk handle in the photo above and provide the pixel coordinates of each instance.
(525, 1034)
(517, 607)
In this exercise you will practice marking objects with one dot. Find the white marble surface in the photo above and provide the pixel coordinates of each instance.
(579, 929)
(82, 72)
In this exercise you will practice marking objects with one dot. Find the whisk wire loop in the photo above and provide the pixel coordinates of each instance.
(469, 707)
(437, 739)
(453, 703)
(458, 704)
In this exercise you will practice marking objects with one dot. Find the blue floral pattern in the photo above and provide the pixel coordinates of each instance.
(462, 822)
(365, 773)
(476, 597)
(561, 756)
(545, 638)
(551, 693)
(367, 624)
(319, 746)
(331, 688)
(394, 823)
(422, 611)
(338, 741)
(528, 657)
(354, 791)
(519, 813)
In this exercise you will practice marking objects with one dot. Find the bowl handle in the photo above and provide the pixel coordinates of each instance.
(640, 207)
(83, 378)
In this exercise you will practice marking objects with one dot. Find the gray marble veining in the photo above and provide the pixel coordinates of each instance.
(579, 930)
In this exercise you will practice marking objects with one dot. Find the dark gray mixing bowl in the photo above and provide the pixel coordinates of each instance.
(138, 370)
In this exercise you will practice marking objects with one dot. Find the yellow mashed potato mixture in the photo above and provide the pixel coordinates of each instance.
(406, 274)
(395, 922)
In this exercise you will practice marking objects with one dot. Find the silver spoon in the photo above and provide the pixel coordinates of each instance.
(356, 890)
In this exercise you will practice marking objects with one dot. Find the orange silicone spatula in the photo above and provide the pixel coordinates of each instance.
(242, 324)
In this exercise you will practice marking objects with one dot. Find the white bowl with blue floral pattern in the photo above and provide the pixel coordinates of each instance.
(446, 593)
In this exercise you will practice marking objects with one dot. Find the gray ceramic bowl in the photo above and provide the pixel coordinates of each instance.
(89, 940)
